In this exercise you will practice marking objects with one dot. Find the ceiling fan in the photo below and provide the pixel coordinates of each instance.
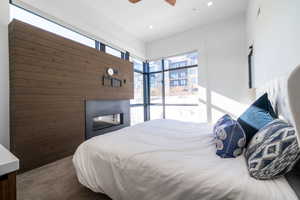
(172, 2)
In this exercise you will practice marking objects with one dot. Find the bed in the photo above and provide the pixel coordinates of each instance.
(173, 160)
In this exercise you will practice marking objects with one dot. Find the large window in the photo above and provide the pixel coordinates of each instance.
(45, 24)
(155, 66)
(138, 89)
(181, 86)
(174, 92)
(137, 115)
(138, 64)
(156, 87)
(156, 112)
(189, 59)
(156, 96)
(113, 51)
(30, 18)
(137, 104)
(165, 88)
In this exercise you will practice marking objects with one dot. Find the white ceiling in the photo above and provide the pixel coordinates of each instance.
(135, 19)
(165, 19)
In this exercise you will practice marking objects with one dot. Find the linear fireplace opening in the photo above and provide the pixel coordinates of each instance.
(105, 116)
(106, 121)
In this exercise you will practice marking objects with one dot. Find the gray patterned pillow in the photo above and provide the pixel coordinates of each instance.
(273, 151)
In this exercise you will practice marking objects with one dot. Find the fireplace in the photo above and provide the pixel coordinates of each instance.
(105, 121)
(105, 116)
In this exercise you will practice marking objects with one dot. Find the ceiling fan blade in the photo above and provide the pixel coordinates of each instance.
(134, 1)
(172, 2)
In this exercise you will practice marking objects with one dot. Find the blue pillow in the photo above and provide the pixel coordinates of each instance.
(221, 121)
(259, 114)
(229, 137)
(273, 151)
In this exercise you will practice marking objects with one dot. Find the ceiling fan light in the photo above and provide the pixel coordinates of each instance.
(134, 1)
(172, 2)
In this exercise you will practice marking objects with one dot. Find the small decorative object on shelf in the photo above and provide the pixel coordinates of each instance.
(106, 80)
(116, 83)
(110, 71)
(110, 81)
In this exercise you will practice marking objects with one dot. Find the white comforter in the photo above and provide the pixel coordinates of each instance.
(168, 160)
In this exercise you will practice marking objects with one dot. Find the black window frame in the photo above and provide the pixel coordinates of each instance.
(146, 72)
(145, 89)
(98, 45)
(164, 104)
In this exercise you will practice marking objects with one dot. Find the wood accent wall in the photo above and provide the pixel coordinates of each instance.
(8, 186)
(50, 79)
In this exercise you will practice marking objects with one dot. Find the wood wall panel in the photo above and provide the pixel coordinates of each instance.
(8, 187)
(50, 79)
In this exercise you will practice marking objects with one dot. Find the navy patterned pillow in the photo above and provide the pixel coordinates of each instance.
(273, 151)
(229, 137)
(221, 121)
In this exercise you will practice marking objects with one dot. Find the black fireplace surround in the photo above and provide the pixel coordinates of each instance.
(105, 116)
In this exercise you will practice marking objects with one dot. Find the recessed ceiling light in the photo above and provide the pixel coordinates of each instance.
(150, 27)
(210, 3)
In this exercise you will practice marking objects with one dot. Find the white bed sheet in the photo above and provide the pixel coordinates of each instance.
(169, 160)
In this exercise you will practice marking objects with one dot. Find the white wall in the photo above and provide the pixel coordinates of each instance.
(68, 14)
(223, 70)
(275, 34)
(222, 48)
(4, 74)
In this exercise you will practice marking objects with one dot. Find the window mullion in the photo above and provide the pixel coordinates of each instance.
(146, 91)
(97, 45)
(163, 89)
(102, 47)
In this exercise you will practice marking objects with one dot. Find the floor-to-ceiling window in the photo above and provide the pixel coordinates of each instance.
(156, 89)
(35, 20)
(174, 90)
(48, 25)
(113, 51)
(165, 88)
(137, 104)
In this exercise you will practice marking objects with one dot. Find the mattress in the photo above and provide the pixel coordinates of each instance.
(168, 160)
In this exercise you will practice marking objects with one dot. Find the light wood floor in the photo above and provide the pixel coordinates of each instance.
(55, 181)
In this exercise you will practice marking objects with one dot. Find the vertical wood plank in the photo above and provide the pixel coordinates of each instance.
(50, 79)
(8, 187)
(12, 186)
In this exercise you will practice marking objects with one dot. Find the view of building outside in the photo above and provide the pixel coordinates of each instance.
(181, 86)
(189, 59)
(180, 89)
(180, 80)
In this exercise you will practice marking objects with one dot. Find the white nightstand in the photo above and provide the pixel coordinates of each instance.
(9, 166)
